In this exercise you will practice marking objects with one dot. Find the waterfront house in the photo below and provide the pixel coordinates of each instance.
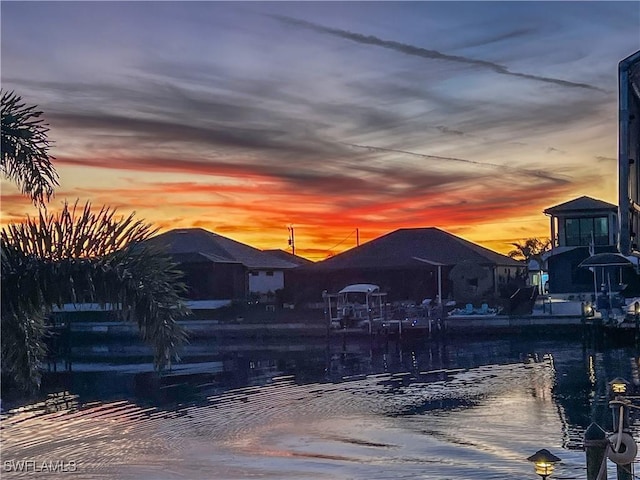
(579, 227)
(218, 267)
(412, 264)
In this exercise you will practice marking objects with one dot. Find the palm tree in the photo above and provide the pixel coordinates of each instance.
(75, 256)
(79, 256)
(25, 149)
(530, 249)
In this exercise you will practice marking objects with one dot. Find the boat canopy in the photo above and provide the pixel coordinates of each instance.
(361, 288)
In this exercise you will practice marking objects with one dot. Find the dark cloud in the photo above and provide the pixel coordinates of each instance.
(247, 129)
(164, 117)
(158, 114)
(509, 117)
(363, 181)
(267, 114)
(505, 169)
(449, 131)
(487, 40)
(162, 131)
(428, 54)
(257, 126)
(256, 115)
(532, 116)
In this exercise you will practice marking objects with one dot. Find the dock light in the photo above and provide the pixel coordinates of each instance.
(636, 308)
(588, 310)
(544, 462)
(619, 386)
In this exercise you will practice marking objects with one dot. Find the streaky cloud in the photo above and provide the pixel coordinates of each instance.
(496, 38)
(533, 173)
(218, 134)
(427, 53)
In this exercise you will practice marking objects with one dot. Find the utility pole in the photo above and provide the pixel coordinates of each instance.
(357, 237)
(292, 241)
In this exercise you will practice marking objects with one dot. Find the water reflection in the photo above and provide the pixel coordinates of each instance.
(350, 409)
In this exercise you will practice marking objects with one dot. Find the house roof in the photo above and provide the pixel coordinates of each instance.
(284, 255)
(413, 247)
(199, 245)
(581, 204)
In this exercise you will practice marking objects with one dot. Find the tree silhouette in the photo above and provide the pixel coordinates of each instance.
(25, 149)
(82, 257)
(74, 256)
(531, 249)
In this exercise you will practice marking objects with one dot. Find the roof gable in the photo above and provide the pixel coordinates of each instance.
(215, 248)
(581, 204)
(289, 257)
(414, 247)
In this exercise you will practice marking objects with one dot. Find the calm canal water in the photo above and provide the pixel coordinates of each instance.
(456, 409)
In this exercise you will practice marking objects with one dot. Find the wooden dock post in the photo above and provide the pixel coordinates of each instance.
(623, 448)
(595, 446)
(624, 472)
(636, 317)
(620, 411)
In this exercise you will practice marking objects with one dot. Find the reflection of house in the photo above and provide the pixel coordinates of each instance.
(575, 225)
(407, 264)
(217, 267)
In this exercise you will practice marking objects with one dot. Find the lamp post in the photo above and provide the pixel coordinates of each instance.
(618, 387)
(544, 462)
(623, 448)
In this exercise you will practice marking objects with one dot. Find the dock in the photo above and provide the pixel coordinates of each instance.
(467, 322)
(89, 335)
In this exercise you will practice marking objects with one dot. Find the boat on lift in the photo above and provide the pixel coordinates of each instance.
(356, 306)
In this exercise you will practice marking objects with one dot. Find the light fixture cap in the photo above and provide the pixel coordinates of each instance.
(619, 385)
(543, 456)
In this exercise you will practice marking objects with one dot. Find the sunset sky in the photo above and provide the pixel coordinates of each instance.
(244, 118)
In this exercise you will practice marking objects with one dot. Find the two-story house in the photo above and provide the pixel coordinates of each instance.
(579, 228)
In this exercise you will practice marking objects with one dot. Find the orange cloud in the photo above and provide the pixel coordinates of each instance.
(255, 203)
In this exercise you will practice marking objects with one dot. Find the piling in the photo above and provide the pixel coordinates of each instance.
(636, 315)
(595, 445)
(620, 411)
(624, 472)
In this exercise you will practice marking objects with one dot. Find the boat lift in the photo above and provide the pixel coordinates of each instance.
(356, 306)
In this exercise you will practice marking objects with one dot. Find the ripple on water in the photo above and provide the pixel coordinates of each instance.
(432, 424)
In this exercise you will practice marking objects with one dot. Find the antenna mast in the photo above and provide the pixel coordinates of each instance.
(292, 240)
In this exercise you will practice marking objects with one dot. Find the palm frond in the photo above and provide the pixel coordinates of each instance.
(79, 256)
(25, 149)
(529, 248)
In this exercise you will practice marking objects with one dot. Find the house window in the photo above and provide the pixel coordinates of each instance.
(572, 232)
(601, 231)
(254, 273)
(579, 232)
(269, 273)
